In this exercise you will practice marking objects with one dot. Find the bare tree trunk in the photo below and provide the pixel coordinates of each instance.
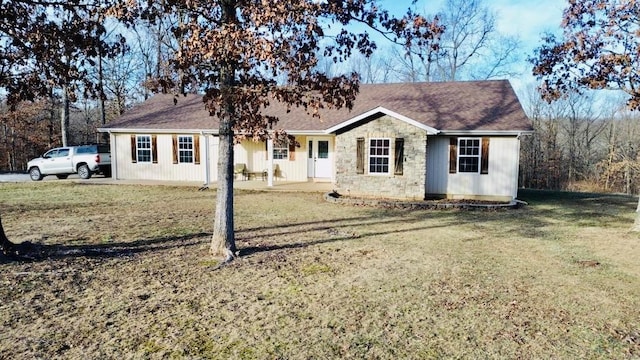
(103, 97)
(7, 246)
(64, 117)
(52, 119)
(223, 242)
(14, 251)
(627, 177)
(612, 151)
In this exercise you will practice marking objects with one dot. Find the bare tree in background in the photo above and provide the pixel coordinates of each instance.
(471, 47)
(621, 166)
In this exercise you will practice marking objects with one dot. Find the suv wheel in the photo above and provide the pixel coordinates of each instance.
(84, 172)
(35, 174)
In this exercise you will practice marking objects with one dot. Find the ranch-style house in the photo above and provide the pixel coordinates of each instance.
(416, 141)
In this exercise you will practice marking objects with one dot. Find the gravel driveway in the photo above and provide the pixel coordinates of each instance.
(20, 177)
(14, 178)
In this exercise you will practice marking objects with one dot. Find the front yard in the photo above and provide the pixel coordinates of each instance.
(557, 279)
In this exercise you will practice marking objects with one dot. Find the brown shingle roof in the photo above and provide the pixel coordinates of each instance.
(445, 106)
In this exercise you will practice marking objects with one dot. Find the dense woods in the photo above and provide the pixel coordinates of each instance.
(581, 143)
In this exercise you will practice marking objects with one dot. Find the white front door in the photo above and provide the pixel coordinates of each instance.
(319, 158)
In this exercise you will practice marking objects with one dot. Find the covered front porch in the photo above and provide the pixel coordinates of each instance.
(304, 158)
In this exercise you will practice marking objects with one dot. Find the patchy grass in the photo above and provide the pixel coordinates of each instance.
(557, 279)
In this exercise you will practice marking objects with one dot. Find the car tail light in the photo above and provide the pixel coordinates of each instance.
(98, 159)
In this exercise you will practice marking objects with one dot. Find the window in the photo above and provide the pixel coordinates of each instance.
(323, 149)
(280, 150)
(143, 148)
(185, 149)
(379, 151)
(468, 155)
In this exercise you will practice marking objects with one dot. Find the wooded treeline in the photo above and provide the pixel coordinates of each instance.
(580, 143)
(31, 128)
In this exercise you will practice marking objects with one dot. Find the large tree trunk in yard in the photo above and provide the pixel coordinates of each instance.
(21, 251)
(7, 246)
(223, 242)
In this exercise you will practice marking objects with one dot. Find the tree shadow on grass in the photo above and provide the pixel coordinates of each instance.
(336, 236)
(28, 251)
(526, 223)
(582, 209)
(398, 222)
(532, 222)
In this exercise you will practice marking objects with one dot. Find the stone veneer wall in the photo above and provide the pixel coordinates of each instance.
(409, 185)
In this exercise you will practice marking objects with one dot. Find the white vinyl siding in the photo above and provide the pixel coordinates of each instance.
(500, 181)
(162, 168)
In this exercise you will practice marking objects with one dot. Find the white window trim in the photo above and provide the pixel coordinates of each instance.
(479, 156)
(280, 145)
(150, 149)
(389, 160)
(192, 150)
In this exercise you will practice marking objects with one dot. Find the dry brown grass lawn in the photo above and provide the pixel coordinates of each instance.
(558, 279)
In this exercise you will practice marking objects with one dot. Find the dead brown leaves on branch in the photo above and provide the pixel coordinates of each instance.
(253, 54)
(273, 49)
(598, 50)
(48, 44)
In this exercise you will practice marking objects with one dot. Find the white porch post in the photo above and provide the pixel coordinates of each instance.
(270, 162)
(114, 155)
(207, 160)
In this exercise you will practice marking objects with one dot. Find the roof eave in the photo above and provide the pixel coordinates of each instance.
(484, 132)
(157, 131)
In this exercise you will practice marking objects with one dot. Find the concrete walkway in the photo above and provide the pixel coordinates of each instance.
(303, 186)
